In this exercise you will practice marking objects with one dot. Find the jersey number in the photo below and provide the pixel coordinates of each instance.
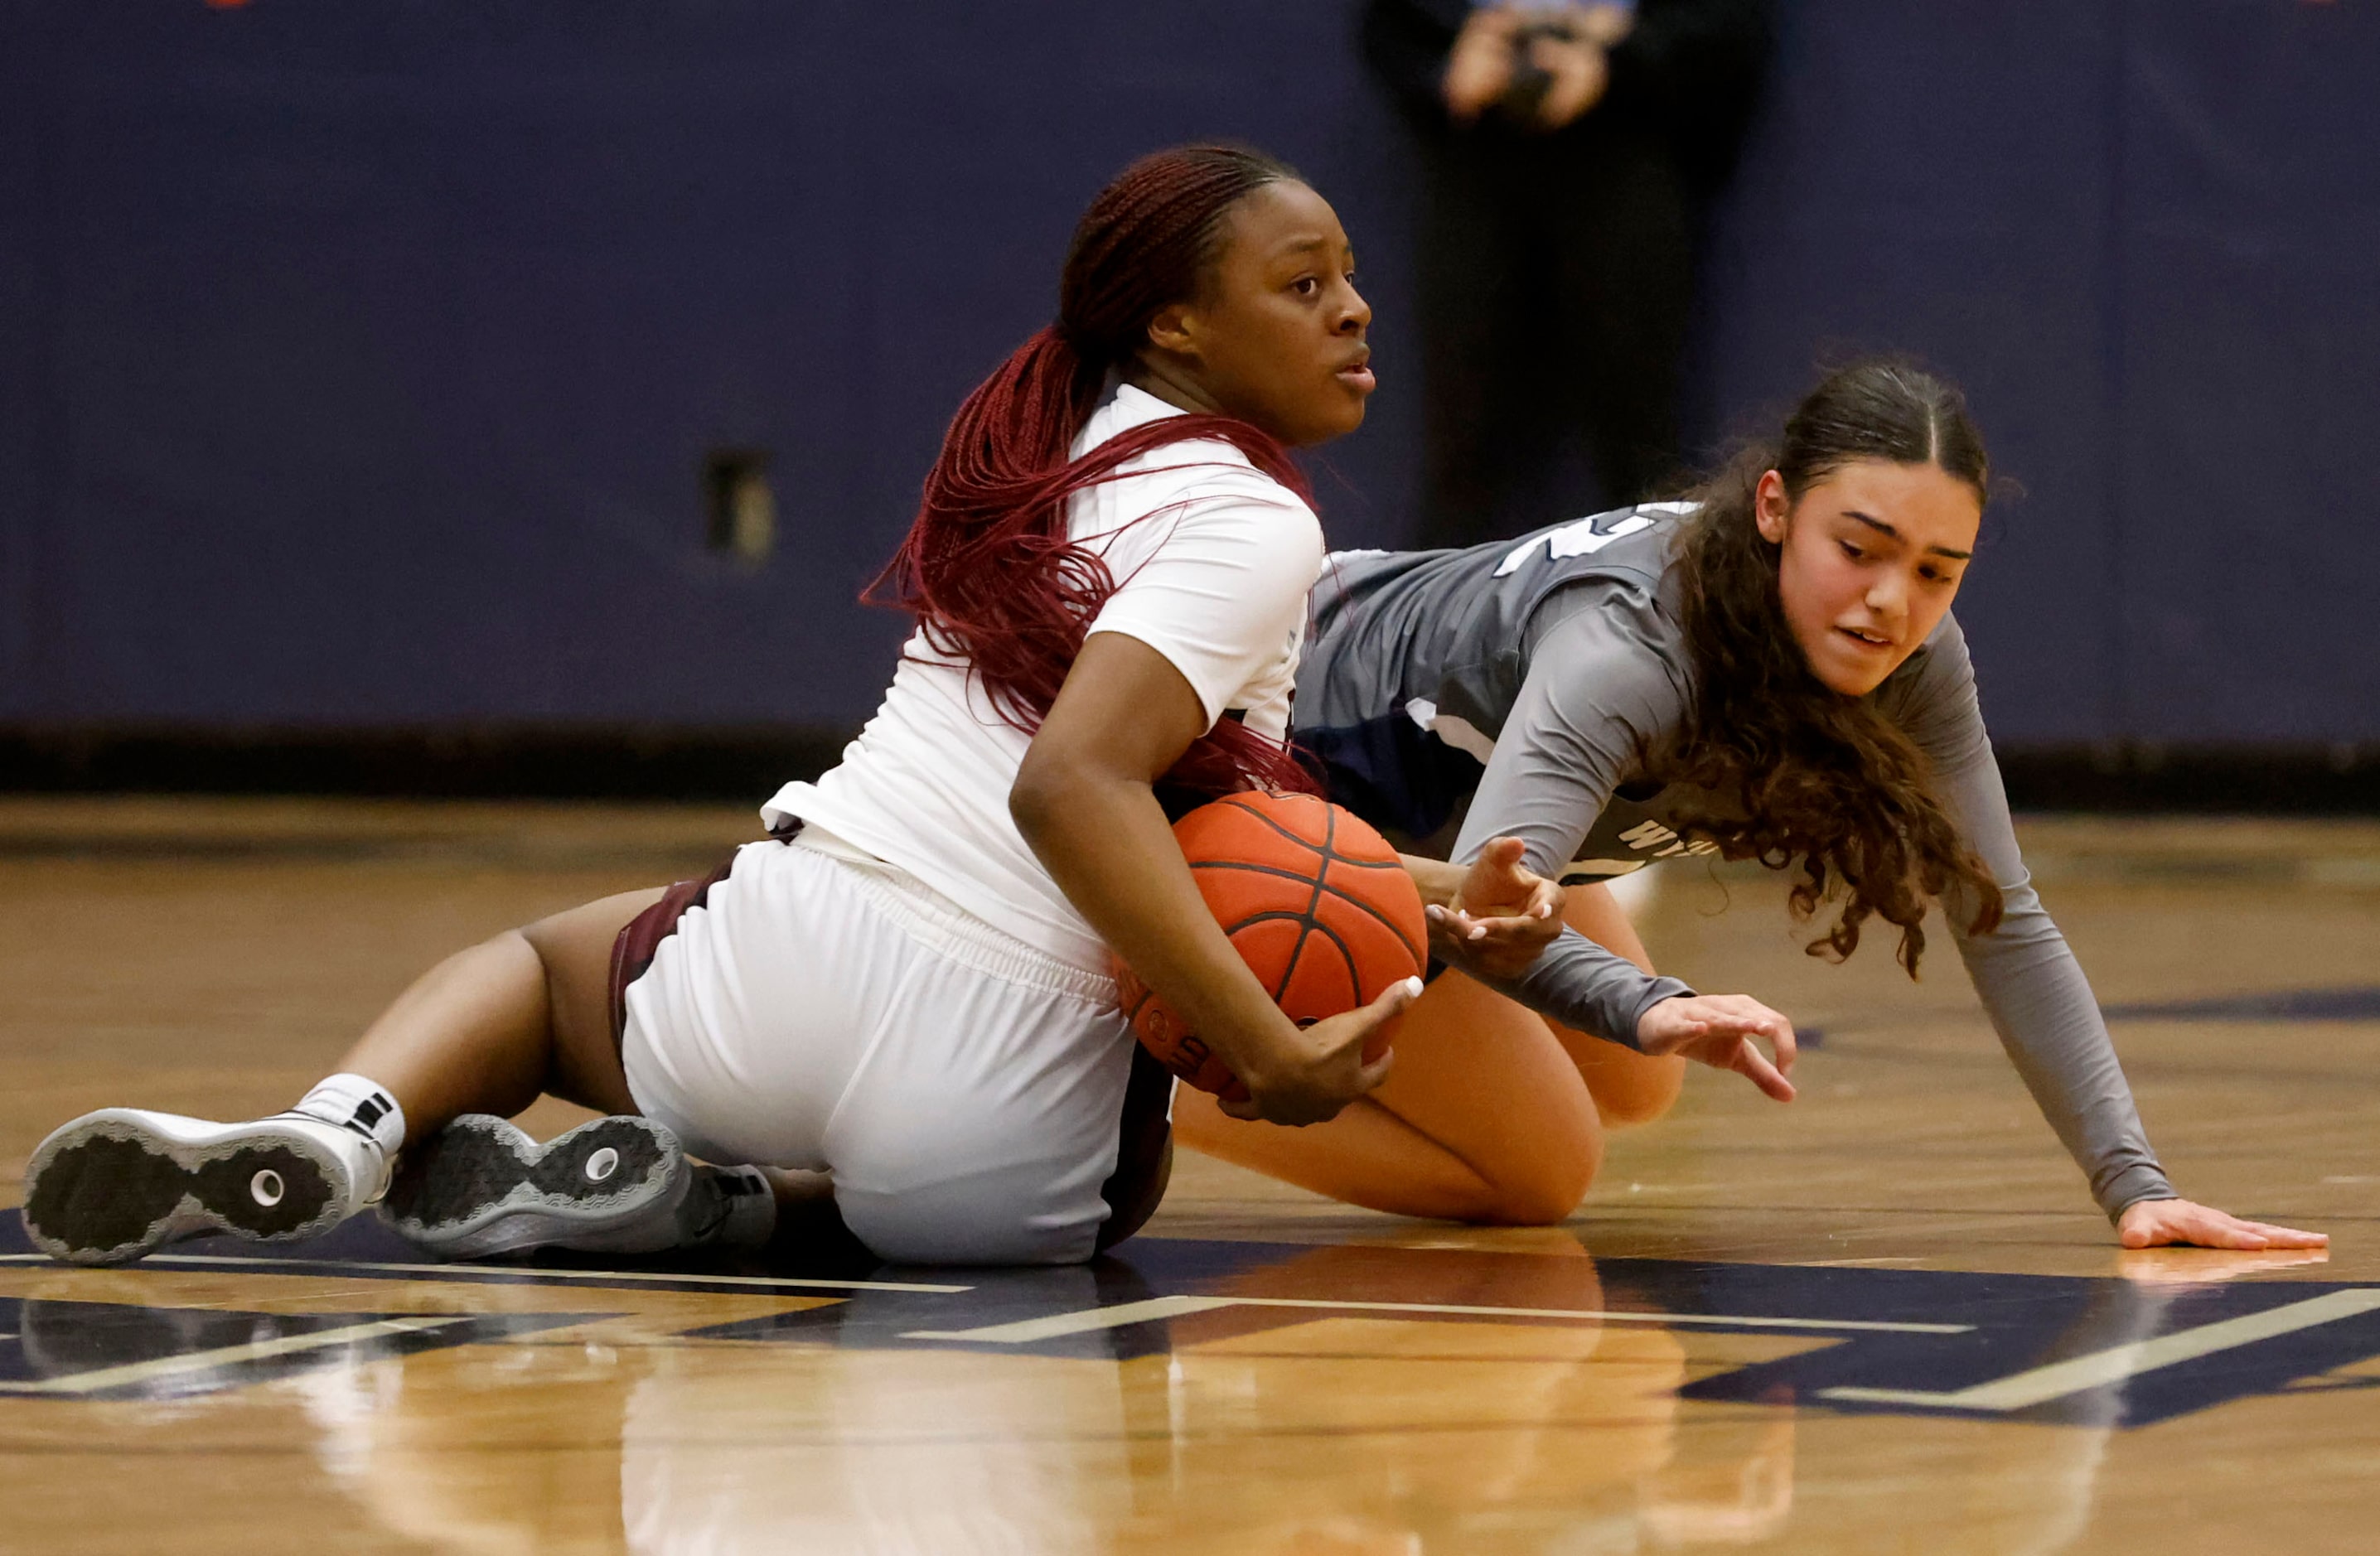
(1579, 539)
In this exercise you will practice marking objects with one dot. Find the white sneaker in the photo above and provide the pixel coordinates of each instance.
(116, 1184)
(482, 1186)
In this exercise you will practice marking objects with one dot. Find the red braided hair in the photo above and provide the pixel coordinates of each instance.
(987, 566)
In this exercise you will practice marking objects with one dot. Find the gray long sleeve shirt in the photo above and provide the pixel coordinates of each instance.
(1509, 690)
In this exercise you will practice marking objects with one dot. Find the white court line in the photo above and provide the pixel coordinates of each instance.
(1090, 1319)
(1030, 1330)
(2042, 1384)
(433, 1271)
(228, 1356)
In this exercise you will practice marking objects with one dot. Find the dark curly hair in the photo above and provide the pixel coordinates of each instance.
(1824, 781)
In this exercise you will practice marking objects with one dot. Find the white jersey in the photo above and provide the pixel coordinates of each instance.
(1211, 559)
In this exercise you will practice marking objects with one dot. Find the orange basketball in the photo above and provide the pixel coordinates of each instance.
(1313, 899)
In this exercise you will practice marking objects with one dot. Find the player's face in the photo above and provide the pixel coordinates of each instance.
(1870, 559)
(1275, 336)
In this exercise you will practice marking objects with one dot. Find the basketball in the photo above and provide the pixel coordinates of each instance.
(1314, 900)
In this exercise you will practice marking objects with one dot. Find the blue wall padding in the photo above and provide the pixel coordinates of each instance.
(1936, 179)
(2248, 295)
(357, 362)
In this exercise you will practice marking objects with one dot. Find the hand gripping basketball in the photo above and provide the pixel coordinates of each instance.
(1316, 902)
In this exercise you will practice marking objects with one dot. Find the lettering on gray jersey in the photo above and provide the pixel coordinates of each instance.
(1416, 659)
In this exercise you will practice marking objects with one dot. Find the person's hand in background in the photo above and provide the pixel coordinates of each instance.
(1570, 46)
(1546, 65)
(1480, 68)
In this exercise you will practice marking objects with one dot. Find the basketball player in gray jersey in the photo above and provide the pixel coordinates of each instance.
(1770, 671)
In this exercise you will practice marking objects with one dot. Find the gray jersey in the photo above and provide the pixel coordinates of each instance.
(1515, 689)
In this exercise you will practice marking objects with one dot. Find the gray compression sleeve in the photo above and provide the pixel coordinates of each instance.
(1583, 986)
(1592, 699)
(2031, 986)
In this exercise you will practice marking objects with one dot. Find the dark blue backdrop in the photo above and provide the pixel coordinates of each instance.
(357, 362)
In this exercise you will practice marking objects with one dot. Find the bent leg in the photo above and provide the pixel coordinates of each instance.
(1627, 1087)
(485, 1030)
(1483, 1118)
(490, 1028)
(1492, 1114)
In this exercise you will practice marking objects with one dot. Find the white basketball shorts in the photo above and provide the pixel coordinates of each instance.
(823, 1010)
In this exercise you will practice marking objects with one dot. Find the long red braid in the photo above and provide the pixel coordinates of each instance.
(988, 567)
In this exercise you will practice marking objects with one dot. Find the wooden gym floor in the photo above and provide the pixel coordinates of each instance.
(1884, 1319)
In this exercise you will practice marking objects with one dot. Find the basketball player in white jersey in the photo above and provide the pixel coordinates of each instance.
(908, 985)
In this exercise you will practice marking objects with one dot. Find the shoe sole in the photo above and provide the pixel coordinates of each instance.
(111, 1186)
(482, 1186)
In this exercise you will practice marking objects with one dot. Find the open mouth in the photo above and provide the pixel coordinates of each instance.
(1873, 640)
(1357, 374)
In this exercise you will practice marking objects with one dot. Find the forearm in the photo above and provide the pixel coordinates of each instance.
(1601, 984)
(1584, 987)
(1105, 841)
(2031, 986)
(1438, 880)
(2049, 1024)
(1594, 912)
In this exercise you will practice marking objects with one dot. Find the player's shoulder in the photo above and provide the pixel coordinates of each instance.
(1201, 494)
(1211, 475)
(1255, 529)
(1941, 661)
(1200, 462)
(1613, 642)
(1636, 540)
(1214, 495)
(1934, 688)
(1210, 471)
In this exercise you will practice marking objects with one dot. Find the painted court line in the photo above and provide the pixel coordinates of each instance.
(2041, 1384)
(438, 1272)
(227, 1356)
(1114, 1317)
(1030, 1330)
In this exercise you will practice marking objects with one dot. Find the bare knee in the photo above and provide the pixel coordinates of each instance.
(538, 938)
(1539, 1191)
(520, 948)
(1642, 1098)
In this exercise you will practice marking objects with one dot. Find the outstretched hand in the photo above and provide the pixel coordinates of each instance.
(2152, 1223)
(1502, 914)
(1721, 1030)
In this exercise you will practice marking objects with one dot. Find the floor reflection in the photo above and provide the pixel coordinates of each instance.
(499, 1451)
(1329, 1399)
(1257, 1431)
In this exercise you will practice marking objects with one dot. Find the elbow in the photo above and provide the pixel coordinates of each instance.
(1038, 798)
(1054, 792)
(2023, 926)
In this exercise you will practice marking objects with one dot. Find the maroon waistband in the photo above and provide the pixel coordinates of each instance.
(633, 950)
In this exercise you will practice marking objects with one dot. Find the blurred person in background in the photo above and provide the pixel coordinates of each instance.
(1567, 154)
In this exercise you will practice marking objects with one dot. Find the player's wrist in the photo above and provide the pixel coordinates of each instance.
(1271, 1058)
(1660, 1021)
(1438, 881)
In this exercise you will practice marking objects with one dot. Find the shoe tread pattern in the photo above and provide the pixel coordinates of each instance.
(479, 1165)
(112, 1192)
